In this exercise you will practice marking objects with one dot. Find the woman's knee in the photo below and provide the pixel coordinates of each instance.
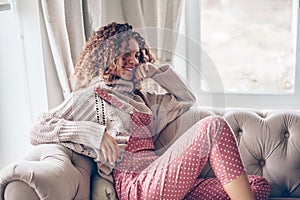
(215, 119)
(213, 124)
(216, 128)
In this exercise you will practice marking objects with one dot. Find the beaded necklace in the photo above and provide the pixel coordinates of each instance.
(97, 110)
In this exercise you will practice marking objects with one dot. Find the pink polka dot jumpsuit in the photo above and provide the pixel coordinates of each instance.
(174, 175)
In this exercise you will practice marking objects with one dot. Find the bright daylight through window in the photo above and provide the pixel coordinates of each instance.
(252, 43)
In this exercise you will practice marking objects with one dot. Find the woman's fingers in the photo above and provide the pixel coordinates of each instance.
(115, 152)
(141, 72)
(109, 148)
(122, 139)
(110, 153)
(138, 74)
(146, 70)
(146, 67)
(104, 153)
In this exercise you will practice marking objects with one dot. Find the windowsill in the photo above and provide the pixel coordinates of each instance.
(4, 7)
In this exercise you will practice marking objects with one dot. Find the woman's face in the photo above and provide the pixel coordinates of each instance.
(126, 64)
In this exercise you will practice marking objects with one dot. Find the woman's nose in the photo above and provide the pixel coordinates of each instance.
(132, 60)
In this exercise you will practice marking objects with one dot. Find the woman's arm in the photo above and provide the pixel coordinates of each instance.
(70, 122)
(177, 100)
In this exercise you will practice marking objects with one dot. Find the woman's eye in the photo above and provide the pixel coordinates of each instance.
(125, 56)
(137, 55)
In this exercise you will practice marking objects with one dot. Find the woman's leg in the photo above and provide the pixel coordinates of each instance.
(175, 173)
(228, 167)
(211, 188)
(239, 188)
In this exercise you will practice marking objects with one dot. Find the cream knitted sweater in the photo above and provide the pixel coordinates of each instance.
(74, 122)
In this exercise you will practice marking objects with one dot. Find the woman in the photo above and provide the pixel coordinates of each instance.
(110, 118)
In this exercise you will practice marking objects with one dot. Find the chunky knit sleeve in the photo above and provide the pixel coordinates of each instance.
(177, 100)
(74, 120)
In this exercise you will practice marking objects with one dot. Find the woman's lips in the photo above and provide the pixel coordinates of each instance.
(128, 68)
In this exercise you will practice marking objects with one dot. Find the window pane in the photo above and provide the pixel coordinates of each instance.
(3, 2)
(252, 43)
(4, 5)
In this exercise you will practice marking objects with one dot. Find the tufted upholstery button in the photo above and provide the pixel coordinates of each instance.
(285, 194)
(240, 132)
(286, 134)
(262, 162)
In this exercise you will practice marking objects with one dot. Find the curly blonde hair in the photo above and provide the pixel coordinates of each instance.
(101, 51)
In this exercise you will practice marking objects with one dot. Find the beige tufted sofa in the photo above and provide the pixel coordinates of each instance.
(269, 142)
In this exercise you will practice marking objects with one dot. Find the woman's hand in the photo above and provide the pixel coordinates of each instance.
(145, 70)
(109, 148)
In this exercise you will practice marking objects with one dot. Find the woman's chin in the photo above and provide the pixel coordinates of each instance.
(128, 77)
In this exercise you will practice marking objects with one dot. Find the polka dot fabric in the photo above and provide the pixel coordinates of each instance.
(174, 175)
(211, 188)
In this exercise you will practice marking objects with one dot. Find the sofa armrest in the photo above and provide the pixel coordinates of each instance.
(19, 190)
(51, 171)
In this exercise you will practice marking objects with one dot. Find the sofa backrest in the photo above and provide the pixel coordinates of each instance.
(269, 143)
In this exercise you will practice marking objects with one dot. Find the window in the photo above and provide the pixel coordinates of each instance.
(251, 47)
(252, 43)
(4, 5)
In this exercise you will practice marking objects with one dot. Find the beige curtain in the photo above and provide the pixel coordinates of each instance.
(65, 25)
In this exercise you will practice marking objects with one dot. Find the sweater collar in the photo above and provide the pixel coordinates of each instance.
(126, 91)
(120, 86)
